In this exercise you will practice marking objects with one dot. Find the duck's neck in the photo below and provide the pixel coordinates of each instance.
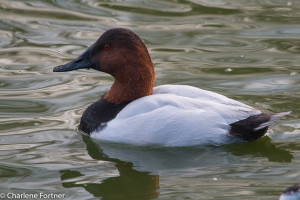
(131, 85)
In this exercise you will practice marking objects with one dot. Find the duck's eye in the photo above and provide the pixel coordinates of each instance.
(106, 47)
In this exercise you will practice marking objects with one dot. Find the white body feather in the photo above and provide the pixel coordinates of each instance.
(176, 115)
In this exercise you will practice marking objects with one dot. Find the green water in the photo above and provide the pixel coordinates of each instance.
(247, 50)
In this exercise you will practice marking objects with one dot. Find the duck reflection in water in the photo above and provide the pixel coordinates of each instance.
(131, 184)
(139, 167)
(260, 148)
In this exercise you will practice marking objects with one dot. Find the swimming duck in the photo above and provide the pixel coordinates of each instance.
(133, 111)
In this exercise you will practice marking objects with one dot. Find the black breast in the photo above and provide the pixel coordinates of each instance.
(96, 116)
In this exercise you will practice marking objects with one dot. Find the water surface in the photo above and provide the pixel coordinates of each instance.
(247, 50)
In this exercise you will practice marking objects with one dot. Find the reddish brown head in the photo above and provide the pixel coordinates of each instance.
(121, 53)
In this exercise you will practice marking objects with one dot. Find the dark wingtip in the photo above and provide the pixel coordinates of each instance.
(254, 126)
(245, 128)
(273, 118)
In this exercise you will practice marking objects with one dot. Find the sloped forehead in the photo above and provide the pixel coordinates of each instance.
(118, 35)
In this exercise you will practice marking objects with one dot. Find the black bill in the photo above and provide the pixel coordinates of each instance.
(82, 61)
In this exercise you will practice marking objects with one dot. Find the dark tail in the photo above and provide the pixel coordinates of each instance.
(255, 126)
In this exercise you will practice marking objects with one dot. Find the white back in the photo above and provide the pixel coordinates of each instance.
(176, 115)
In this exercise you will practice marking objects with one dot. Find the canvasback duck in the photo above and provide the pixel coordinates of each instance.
(133, 111)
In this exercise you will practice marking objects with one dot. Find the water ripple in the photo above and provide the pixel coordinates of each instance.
(246, 49)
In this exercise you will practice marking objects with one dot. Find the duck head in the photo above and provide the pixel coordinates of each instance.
(122, 54)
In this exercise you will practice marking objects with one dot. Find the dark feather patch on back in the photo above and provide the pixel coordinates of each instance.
(247, 128)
